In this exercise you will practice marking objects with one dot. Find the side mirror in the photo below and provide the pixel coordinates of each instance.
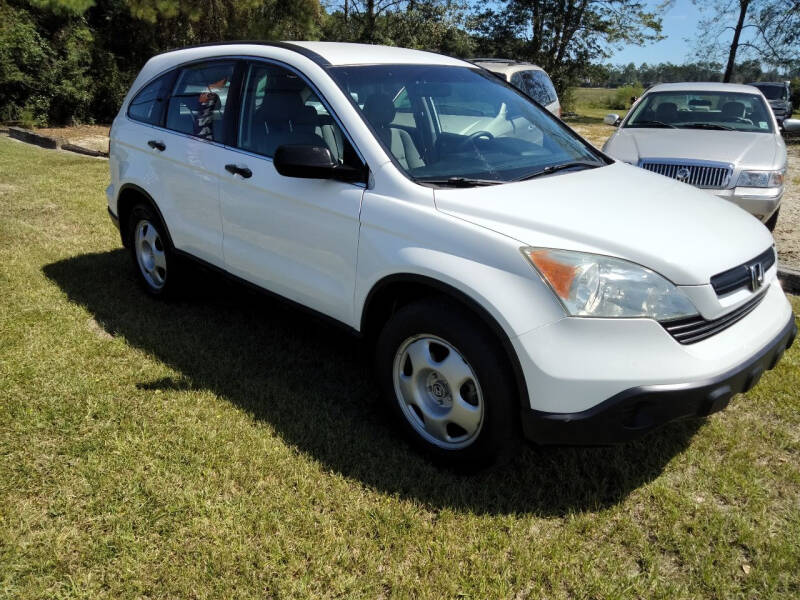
(611, 119)
(313, 162)
(791, 125)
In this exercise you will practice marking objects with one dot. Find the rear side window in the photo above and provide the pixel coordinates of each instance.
(148, 105)
(536, 84)
(197, 104)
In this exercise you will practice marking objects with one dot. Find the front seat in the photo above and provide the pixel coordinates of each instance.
(380, 111)
(282, 119)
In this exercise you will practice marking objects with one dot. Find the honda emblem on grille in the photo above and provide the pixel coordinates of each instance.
(683, 174)
(756, 276)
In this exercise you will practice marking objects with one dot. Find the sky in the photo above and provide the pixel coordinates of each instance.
(678, 23)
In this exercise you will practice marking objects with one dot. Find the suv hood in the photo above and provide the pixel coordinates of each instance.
(684, 234)
(748, 149)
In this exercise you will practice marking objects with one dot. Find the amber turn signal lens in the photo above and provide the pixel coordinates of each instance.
(559, 275)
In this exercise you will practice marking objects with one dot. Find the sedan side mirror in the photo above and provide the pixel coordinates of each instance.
(314, 162)
(611, 119)
(791, 125)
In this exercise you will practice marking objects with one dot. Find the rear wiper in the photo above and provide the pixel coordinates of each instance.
(649, 122)
(706, 126)
(461, 181)
(555, 168)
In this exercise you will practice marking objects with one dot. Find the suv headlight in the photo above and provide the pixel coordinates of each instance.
(592, 285)
(761, 179)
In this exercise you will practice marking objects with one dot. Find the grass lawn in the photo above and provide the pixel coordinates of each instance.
(225, 446)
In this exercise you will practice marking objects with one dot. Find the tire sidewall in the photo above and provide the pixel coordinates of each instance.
(479, 347)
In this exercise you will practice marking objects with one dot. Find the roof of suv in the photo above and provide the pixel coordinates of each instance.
(506, 66)
(329, 53)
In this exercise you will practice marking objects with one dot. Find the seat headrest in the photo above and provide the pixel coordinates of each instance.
(379, 110)
(667, 111)
(733, 109)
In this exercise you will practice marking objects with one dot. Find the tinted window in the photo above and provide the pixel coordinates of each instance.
(702, 110)
(148, 105)
(279, 107)
(197, 104)
(536, 84)
(773, 92)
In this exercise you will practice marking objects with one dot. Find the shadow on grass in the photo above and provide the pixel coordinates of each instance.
(310, 382)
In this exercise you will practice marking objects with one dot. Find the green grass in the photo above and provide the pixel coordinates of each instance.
(225, 446)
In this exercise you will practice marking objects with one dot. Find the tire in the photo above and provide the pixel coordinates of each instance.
(468, 428)
(154, 261)
(772, 222)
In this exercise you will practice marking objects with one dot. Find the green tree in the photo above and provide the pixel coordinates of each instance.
(763, 30)
(563, 36)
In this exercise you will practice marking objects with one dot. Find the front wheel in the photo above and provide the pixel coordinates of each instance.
(446, 382)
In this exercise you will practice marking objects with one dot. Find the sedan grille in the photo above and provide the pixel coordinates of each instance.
(694, 329)
(742, 275)
(698, 174)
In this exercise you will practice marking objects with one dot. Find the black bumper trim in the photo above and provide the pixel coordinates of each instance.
(634, 412)
(114, 218)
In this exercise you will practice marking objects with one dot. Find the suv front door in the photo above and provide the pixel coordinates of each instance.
(295, 237)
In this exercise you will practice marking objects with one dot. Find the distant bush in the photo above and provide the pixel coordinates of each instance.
(621, 100)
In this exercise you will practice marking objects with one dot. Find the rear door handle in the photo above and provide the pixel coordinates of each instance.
(160, 146)
(237, 170)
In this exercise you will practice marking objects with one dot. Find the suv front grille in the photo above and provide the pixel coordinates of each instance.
(699, 174)
(694, 329)
(740, 276)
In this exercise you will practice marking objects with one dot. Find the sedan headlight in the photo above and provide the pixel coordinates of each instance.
(761, 179)
(592, 285)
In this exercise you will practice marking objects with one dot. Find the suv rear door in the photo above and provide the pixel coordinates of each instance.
(196, 128)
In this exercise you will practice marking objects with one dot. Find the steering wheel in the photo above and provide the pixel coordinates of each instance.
(476, 136)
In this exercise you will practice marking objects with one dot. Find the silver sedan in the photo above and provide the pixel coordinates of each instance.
(716, 136)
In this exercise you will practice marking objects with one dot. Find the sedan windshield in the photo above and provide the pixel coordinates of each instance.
(460, 126)
(702, 110)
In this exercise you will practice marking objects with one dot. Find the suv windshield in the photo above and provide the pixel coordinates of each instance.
(460, 126)
(772, 92)
(702, 110)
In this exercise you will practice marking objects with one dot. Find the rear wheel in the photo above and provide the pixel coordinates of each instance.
(773, 220)
(446, 382)
(153, 259)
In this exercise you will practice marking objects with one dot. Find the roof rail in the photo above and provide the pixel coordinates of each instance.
(310, 54)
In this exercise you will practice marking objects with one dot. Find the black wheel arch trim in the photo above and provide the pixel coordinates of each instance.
(465, 299)
(142, 192)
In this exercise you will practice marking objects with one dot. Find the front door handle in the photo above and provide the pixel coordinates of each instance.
(160, 146)
(237, 170)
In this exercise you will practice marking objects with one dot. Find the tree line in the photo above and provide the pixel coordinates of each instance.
(65, 61)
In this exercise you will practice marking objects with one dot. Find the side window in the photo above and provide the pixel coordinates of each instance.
(148, 105)
(279, 107)
(197, 103)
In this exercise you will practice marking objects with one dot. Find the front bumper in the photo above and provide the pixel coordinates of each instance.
(759, 202)
(635, 411)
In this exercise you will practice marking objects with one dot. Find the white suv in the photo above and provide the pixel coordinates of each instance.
(513, 279)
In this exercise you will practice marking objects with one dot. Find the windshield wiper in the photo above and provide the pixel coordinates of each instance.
(461, 181)
(649, 122)
(706, 126)
(555, 168)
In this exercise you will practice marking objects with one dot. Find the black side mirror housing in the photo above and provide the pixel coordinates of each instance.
(314, 162)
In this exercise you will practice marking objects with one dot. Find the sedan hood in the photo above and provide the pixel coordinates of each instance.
(685, 234)
(747, 149)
